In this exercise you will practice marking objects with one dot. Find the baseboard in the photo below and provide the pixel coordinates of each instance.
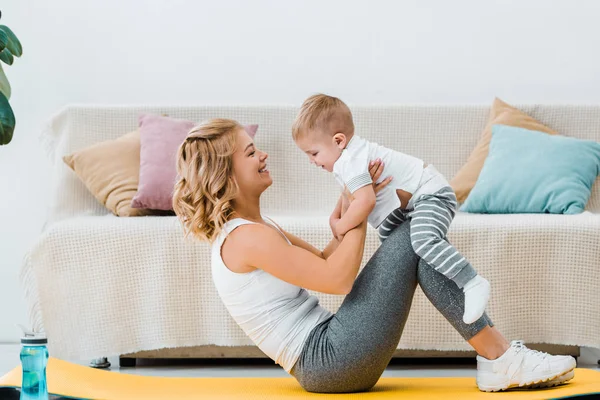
(211, 351)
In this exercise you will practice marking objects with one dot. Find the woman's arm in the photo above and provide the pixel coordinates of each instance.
(296, 241)
(258, 246)
(375, 169)
(332, 271)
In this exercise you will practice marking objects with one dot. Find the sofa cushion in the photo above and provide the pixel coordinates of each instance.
(532, 172)
(161, 137)
(102, 274)
(110, 171)
(500, 114)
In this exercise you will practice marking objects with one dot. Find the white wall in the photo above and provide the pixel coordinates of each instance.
(201, 52)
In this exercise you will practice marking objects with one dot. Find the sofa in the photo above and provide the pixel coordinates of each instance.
(101, 285)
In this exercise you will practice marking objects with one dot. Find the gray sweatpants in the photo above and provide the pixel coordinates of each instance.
(429, 224)
(350, 351)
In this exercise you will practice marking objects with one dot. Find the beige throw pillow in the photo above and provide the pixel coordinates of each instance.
(501, 114)
(110, 170)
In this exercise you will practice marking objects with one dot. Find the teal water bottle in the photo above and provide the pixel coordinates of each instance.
(34, 358)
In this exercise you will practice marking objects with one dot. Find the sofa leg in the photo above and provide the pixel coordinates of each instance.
(127, 362)
(101, 363)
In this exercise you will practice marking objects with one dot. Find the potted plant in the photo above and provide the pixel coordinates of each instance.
(10, 47)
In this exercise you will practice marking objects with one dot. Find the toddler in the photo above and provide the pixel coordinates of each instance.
(324, 130)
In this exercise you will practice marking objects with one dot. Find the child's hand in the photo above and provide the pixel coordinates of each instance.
(332, 224)
(339, 233)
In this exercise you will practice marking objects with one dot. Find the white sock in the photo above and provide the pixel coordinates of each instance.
(477, 294)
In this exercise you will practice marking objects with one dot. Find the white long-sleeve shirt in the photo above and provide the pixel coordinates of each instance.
(351, 170)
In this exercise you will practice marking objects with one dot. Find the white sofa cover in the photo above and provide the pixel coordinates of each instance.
(100, 285)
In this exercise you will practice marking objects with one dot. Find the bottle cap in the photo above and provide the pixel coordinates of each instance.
(33, 340)
(30, 337)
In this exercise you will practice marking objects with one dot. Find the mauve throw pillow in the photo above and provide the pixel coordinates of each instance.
(160, 138)
(251, 129)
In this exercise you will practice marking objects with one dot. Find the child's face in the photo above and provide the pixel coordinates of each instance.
(322, 150)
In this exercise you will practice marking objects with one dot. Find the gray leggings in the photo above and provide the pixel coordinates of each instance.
(350, 351)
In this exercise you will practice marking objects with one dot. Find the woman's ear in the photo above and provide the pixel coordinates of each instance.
(340, 140)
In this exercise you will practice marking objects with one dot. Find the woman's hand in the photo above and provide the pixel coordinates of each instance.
(375, 169)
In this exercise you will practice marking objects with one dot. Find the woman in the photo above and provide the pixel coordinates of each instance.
(262, 272)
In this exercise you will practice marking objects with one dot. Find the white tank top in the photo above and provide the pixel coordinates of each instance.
(277, 316)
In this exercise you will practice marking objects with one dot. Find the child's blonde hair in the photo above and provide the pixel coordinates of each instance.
(324, 113)
(204, 192)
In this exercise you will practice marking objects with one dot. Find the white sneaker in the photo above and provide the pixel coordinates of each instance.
(521, 367)
(554, 382)
(477, 294)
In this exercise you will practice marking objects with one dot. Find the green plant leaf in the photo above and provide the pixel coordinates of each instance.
(3, 40)
(6, 56)
(7, 121)
(13, 42)
(4, 84)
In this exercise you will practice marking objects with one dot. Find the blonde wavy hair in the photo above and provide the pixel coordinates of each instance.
(205, 190)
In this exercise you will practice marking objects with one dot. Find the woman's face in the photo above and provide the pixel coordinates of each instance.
(250, 167)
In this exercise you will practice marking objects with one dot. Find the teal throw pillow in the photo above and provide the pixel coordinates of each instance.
(533, 172)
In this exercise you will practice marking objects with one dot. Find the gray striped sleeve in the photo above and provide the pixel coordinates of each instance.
(359, 181)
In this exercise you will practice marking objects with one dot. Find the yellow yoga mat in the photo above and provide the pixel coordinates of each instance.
(78, 381)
